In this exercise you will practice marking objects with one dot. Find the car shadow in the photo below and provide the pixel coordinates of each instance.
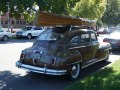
(35, 81)
(11, 41)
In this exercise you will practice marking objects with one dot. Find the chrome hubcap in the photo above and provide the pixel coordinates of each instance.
(75, 71)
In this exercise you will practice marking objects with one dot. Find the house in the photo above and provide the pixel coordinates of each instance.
(15, 23)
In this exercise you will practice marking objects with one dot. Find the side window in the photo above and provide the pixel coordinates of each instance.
(37, 28)
(93, 37)
(85, 38)
(75, 40)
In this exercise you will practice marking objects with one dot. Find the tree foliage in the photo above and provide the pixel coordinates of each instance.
(18, 8)
(56, 6)
(91, 9)
(112, 14)
(24, 7)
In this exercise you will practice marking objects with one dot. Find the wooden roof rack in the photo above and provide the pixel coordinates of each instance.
(49, 19)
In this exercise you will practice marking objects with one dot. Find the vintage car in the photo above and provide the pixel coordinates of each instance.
(63, 52)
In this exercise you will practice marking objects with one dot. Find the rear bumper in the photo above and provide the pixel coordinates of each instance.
(44, 70)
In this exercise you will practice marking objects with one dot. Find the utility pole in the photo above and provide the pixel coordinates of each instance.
(8, 15)
(0, 20)
(36, 9)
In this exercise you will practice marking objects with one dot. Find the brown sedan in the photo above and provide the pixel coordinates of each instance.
(60, 52)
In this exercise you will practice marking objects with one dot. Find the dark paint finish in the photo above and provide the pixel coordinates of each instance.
(61, 50)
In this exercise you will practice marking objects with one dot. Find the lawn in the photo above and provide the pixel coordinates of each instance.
(107, 78)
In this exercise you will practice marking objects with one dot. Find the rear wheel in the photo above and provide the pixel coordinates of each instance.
(5, 38)
(29, 36)
(75, 71)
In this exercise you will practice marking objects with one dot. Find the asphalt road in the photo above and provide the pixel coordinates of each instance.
(12, 78)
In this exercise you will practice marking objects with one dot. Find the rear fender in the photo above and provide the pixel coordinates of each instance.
(74, 57)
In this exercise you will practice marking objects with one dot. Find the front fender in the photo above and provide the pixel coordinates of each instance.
(105, 46)
(103, 50)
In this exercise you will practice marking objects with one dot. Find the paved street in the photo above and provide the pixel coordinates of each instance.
(12, 78)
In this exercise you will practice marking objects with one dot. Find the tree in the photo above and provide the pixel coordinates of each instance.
(17, 8)
(56, 6)
(112, 14)
(90, 9)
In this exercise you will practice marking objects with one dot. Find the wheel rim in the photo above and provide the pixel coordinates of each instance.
(29, 36)
(5, 38)
(75, 71)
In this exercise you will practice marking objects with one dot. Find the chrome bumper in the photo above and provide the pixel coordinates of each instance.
(41, 70)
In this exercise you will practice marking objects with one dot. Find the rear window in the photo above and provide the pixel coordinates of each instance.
(27, 28)
(50, 35)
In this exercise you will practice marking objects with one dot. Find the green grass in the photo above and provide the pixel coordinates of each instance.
(105, 79)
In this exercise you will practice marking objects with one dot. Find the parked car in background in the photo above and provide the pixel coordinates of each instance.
(63, 52)
(4, 35)
(103, 31)
(113, 39)
(29, 32)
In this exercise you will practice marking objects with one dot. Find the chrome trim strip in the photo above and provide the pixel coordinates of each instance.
(44, 70)
(93, 63)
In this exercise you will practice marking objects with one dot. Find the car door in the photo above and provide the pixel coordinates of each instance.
(1, 34)
(86, 47)
(94, 43)
(79, 43)
(37, 31)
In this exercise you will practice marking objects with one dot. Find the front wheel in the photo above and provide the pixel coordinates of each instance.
(5, 38)
(29, 36)
(75, 71)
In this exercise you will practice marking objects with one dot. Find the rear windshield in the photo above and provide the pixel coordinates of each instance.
(49, 35)
(27, 28)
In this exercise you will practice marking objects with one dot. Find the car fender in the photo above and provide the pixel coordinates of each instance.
(74, 57)
(103, 50)
(104, 46)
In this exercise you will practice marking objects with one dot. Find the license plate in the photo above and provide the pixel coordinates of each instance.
(36, 56)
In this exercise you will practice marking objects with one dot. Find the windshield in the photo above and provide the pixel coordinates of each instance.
(26, 28)
(48, 36)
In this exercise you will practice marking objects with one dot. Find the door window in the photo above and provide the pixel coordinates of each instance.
(93, 37)
(75, 40)
(38, 28)
(85, 38)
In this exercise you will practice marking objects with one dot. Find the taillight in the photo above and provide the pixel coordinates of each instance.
(53, 61)
(22, 56)
(105, 40)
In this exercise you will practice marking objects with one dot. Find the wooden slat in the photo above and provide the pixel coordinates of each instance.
(48, 19)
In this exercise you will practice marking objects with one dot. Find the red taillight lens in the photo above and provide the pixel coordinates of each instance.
(53, 61)
(105, 40)
(22, 56)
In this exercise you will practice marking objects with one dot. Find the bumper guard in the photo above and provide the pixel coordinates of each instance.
(44, 70)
